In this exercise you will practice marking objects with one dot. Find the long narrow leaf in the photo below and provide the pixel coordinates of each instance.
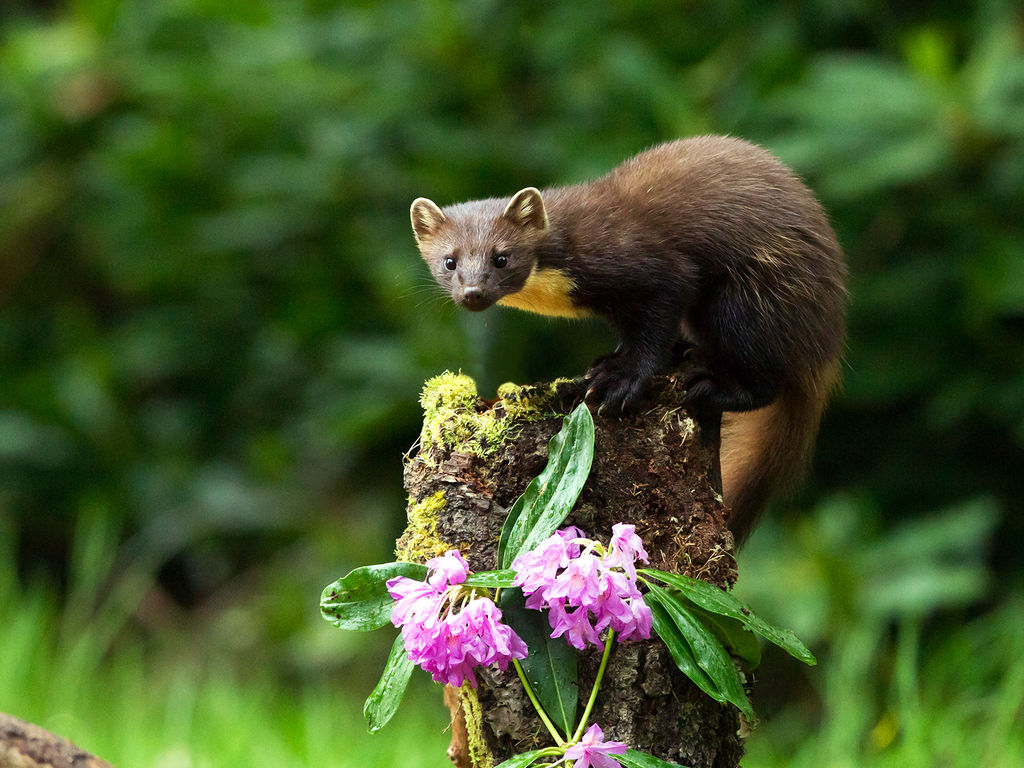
(551, 667)
(360, 600)
(680, 650)
(382, 703)
(715, 600)
(491, 579)
(739, 641)
(524, 760)
(636, 759)
(550, 496)
(708, 652)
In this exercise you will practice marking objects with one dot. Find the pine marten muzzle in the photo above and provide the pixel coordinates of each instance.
(708, 248)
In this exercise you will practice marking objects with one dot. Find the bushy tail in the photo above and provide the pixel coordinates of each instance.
(766, 452)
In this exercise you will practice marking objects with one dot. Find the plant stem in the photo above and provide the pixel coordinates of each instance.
(536, 705)
(597, 684)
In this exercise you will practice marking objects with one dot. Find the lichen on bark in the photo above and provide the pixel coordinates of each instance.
(651, 469)
(421, 541)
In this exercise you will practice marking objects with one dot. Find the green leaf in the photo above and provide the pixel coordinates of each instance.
(550, 496)
(360, 600)
(680, 650)
(707, 651)
(525, 759)
(552, 666)
(382, 703)
(739, 641)
(510, 520)
(637, 759)
(491, 579)
(711, 598)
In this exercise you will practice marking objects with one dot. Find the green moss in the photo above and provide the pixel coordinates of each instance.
(530, 403)
(456, 418)
(450, 414)
(480, 755)
(448, 391)
(420, 542)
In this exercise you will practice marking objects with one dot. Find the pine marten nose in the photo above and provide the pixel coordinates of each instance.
(473, 298)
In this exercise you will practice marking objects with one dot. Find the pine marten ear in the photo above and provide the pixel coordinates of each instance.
(527, 209)
(427, 218)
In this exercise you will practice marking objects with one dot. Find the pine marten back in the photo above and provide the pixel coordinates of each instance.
(708, 248)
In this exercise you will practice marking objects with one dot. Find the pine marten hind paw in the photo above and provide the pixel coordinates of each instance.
(699, 385)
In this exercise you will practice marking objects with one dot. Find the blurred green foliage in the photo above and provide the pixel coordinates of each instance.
(214, 324)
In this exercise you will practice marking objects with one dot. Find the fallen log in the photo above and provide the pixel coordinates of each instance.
(24, 745)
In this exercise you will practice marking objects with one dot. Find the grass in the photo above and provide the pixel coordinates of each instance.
(79, 671)
(964, 707)
(186, 720)
(884, 694)
(904, 679)
(135, 711)
(959, 703)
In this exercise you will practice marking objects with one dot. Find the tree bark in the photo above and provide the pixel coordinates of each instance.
(24, 745)
(651, 469)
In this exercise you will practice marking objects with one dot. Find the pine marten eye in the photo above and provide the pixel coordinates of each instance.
(500, 259)
(450, 263)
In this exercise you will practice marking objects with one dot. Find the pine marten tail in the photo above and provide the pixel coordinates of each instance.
(765, 452)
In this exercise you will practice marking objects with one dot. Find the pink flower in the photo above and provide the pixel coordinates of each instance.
(564, 572)
(613, 601)
(575, 625)
(449, 568)
(449, 631)
(414, 600)
(593, 750)
(537, 567)
(625, 549)
(639, 628)
(579, 582)
(488, 640)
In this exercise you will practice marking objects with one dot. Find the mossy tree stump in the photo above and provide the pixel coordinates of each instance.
(651, 469)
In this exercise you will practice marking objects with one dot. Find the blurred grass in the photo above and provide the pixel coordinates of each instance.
(910, 672)
(955, 699)
(79, 671)
(954, 703)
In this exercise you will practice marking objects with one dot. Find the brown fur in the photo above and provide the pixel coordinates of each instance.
(765, 452)
(708, 242)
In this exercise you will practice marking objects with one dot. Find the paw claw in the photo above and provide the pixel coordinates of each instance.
(616, 383)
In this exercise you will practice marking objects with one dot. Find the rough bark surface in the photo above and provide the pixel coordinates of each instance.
(24, 745)
(651, 469)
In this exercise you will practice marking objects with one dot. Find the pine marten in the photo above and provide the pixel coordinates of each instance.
(709, 245)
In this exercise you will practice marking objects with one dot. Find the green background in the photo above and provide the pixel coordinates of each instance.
(214, 326)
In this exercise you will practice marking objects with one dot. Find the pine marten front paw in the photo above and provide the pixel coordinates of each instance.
(615, 385)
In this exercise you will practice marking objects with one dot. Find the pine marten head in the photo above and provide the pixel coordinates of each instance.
(484, 250)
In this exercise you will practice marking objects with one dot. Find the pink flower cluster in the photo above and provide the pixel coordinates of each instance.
(578, 580)
(447, 630)
(593, 751)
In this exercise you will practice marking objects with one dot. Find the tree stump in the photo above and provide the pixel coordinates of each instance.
(24, 745)
(651, 469)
